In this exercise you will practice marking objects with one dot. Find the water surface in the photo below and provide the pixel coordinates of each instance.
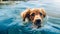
(11, 21)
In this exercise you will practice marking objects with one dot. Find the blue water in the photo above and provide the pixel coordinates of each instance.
(11, 21)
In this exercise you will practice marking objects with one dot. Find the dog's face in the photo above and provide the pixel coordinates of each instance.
(34, 15)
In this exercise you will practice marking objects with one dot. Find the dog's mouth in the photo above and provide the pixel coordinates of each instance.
(38, 26)
(38, 23)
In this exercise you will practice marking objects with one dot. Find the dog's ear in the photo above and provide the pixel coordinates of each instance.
(25, 14)
(44, 13)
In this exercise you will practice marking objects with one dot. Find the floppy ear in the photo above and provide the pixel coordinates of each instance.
(44, 13)
(25, 14)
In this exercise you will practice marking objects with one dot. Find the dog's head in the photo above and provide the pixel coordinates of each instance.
(34, 15)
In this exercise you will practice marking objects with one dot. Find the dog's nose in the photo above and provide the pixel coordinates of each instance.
(38, 20)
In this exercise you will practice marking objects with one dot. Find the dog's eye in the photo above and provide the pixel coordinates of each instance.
(33, 14)
(40, 14)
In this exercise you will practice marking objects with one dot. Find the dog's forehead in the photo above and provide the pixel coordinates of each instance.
(36, 10)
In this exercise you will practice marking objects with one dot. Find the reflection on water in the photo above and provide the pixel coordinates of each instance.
(10, 18)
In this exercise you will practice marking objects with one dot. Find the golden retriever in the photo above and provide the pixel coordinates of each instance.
(35, 15)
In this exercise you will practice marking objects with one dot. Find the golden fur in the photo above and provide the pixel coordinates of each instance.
(34, 14)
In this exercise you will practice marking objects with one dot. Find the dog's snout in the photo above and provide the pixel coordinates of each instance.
(38, 20)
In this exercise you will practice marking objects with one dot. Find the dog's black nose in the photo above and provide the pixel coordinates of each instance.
(38, 20)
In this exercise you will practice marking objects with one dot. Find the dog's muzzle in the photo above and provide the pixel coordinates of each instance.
(38, 22)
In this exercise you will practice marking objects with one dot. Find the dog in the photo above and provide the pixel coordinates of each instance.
(35, 15)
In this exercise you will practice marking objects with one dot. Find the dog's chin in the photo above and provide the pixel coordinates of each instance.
(36, 26)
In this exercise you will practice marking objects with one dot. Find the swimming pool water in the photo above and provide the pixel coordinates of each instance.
(11, 21)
